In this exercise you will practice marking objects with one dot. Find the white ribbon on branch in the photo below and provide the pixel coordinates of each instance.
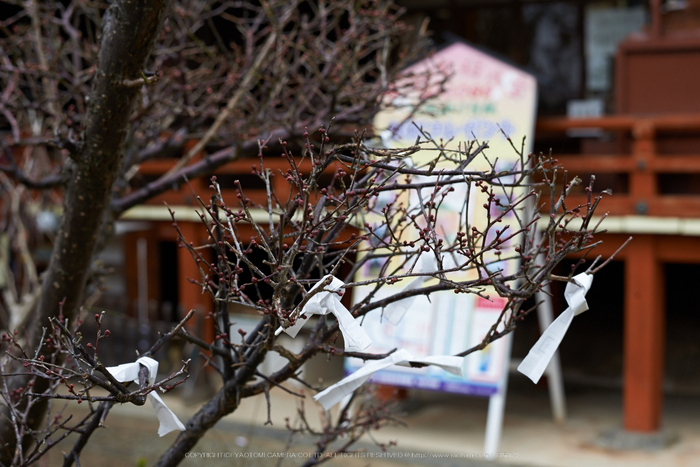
(130, 372)
(395, 311)
(335, 393)
(328, 301)
(541, 353)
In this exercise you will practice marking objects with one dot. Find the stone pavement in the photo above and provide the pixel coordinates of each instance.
(441, 430)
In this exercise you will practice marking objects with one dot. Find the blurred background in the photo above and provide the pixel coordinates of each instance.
(618, 97)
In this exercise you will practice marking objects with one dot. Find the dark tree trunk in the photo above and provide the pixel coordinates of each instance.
(128, 34)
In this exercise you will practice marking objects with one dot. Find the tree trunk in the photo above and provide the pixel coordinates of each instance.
(128, 34)
(223, 403)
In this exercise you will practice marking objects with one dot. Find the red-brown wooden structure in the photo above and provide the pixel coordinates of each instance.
(651, 159)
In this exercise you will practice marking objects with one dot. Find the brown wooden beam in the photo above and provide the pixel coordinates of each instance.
(598, 163)
(614, 163)
(672, 122)
(678, 249)
(624, 205)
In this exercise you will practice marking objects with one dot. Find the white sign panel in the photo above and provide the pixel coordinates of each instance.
(484, 97)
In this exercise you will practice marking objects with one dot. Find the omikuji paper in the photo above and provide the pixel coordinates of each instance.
(395, 311)
(130, 372)
(541, 353)
(328, 301)
(335, 393)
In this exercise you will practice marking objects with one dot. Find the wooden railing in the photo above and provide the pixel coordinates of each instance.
(253, 187)
(656, 160)
(652, 164)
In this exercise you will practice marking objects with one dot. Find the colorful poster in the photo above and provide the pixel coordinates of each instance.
(485, 100)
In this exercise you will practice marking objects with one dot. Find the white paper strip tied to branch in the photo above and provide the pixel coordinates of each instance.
(130, 372)
(395, 311)
(328, 301)
(541, 353)
(335, 393)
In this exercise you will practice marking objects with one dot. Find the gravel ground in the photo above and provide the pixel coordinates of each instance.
(130, 439)
(447, 430)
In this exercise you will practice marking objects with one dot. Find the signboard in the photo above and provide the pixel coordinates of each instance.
(483, 99)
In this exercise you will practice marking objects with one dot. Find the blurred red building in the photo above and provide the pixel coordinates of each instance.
(619, 98)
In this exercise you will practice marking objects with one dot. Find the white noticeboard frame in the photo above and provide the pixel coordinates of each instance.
(484, 98)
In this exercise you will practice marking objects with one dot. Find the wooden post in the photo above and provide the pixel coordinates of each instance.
(643, 184)
(190, 295)
(655, 14)
(644, 336)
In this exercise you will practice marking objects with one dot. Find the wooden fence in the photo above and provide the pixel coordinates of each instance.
(654, 159)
